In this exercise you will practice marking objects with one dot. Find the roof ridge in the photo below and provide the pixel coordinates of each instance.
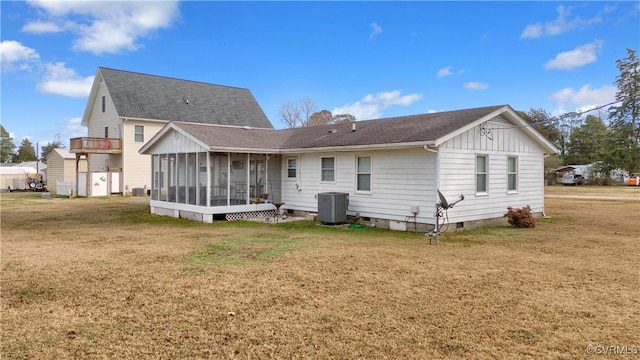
(224, 125)
(171, 78)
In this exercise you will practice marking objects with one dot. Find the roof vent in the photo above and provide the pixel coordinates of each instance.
(353, 127)
(247, 127)
(333, 131)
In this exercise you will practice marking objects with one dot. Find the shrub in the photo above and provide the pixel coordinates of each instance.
(522, 218)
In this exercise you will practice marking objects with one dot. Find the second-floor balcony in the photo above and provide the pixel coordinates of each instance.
(96, 145)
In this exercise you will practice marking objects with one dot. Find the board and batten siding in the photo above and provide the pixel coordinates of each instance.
(497, 139)
(399, 179)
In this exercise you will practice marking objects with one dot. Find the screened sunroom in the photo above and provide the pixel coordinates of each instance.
(210, 183)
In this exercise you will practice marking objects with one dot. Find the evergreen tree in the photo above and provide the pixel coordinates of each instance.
(26, 152)
(545, 124)
(621, 149)
(628, 83)
(47, 149)
(586, 141)
(7, 147)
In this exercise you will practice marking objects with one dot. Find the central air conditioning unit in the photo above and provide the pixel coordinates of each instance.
(332, 207)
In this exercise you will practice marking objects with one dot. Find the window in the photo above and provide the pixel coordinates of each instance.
(139, 133)
(481, 174)
(512, 173)
(106, 131)
(104, 103)
(292, 166)
(328, 171)
(363, 173)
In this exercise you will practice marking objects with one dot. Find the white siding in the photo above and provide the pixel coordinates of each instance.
(400, 179)
(98, 120)
(498, 141)
(137, 167)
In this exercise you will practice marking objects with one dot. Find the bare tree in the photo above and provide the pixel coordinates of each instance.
(307, 108)
(290, 115)
(297, 114)
(302, 113)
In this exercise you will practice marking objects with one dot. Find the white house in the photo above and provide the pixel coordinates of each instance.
(125, 109)
(390, 168)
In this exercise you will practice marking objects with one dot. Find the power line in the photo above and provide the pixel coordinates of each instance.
(563, 116)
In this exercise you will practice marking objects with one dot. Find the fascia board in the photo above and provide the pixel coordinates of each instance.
(394, 146)
(92, 98)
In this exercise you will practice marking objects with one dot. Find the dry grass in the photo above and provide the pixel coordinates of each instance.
(102, 278)
(617, 190)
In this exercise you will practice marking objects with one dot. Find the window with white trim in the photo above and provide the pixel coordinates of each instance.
(512, 174)
(292, 168)
(363, 173)
(138, 133)
(328, 170)
(104, 103)
(481, 174)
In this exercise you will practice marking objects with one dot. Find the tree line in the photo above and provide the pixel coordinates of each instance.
(608, 137)
(26, 151)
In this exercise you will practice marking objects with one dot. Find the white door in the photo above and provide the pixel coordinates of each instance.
(115, 182)
(99, 184)
(82, 184)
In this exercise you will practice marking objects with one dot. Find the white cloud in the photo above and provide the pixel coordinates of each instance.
(476, 85)
(372, 106)
(375, 30)
(73, 128)
(584, 98)
(561, 24)
(41, 27)
(577, 57)
(60, 80)
(14, 55)
(105, 26)
(448, 71)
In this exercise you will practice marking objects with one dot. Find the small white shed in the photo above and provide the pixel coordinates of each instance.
(61, 171)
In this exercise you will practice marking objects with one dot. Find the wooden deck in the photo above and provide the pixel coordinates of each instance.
(85, 145)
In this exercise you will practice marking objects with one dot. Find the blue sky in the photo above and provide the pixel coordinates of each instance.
(369, 59)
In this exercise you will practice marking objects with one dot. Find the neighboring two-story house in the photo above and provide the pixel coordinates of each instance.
(125, 109)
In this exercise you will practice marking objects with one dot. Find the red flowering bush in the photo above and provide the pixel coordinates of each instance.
(522, 218)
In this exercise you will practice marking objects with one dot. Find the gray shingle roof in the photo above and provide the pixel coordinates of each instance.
(235, 137)
(395, 130)
(145, 96)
